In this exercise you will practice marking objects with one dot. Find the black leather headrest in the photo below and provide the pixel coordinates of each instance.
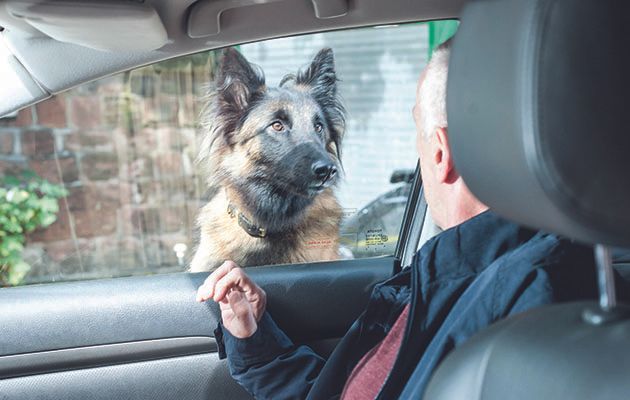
(539, 113)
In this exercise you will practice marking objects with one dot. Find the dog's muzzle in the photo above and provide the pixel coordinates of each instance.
(323, 176)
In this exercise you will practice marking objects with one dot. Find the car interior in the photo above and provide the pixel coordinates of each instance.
(518, 76)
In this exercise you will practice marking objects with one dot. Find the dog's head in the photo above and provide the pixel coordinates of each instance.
(285, 138)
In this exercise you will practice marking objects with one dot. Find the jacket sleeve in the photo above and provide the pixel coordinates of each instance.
(267, 364)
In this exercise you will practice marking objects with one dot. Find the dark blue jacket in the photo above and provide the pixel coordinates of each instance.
(460, 282)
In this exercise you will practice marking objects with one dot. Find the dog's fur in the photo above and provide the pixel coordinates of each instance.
(268, 175)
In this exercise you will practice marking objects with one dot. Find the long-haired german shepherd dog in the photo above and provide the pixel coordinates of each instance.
(271, 157)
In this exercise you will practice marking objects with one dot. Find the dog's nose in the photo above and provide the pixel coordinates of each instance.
(324, 171)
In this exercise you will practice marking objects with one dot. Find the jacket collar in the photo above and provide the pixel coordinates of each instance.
(468, 248)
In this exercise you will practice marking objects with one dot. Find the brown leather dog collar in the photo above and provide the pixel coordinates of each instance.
(248, 226)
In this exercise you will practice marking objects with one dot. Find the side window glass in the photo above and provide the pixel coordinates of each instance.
(145, 171)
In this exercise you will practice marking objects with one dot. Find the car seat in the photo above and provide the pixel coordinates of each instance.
(540, 131)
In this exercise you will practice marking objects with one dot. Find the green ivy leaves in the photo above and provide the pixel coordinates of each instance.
(27, 202)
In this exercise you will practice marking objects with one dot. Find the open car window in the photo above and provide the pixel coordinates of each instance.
(106, 180)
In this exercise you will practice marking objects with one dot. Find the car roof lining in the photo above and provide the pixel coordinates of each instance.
(56, 66)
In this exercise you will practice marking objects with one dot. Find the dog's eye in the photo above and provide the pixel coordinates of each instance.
(277, 126)
(318, 127)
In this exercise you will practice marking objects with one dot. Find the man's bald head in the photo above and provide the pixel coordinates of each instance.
(431, 90)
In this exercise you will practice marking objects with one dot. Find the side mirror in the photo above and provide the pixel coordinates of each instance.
(402, 175)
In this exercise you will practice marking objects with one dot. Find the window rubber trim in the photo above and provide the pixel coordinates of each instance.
(411, 227)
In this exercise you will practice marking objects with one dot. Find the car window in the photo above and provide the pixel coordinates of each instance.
(107, 179)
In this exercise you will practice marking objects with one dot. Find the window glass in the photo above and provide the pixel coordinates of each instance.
(102, 180)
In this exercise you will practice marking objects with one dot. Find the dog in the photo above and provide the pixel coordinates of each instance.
(271, 157)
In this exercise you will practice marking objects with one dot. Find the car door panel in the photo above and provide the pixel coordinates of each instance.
(200, 376)
(146, 337)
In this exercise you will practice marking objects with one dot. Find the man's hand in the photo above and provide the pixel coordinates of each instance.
(242, 302)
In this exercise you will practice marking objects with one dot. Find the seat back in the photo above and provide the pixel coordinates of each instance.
(536, 99)
(551, 353)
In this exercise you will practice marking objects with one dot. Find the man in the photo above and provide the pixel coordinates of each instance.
(480, 269)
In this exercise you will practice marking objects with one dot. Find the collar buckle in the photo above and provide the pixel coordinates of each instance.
(248, 226)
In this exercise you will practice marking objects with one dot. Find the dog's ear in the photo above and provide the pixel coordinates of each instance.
(321, 79)
(238, 81)
(237, 85)
(320, 76)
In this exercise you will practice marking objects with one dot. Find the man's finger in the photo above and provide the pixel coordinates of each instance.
(235, 279)
(230, 281)
(207, 289)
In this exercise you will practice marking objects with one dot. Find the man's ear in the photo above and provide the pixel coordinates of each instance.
(445, 168)
(238, 81)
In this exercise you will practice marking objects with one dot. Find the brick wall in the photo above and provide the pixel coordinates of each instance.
(124, 148)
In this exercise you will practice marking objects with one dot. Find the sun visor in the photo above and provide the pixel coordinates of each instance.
(107, 26)
(18, 87)
(538, 116)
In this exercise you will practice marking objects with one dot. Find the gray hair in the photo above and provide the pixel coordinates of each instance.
(432, 94)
